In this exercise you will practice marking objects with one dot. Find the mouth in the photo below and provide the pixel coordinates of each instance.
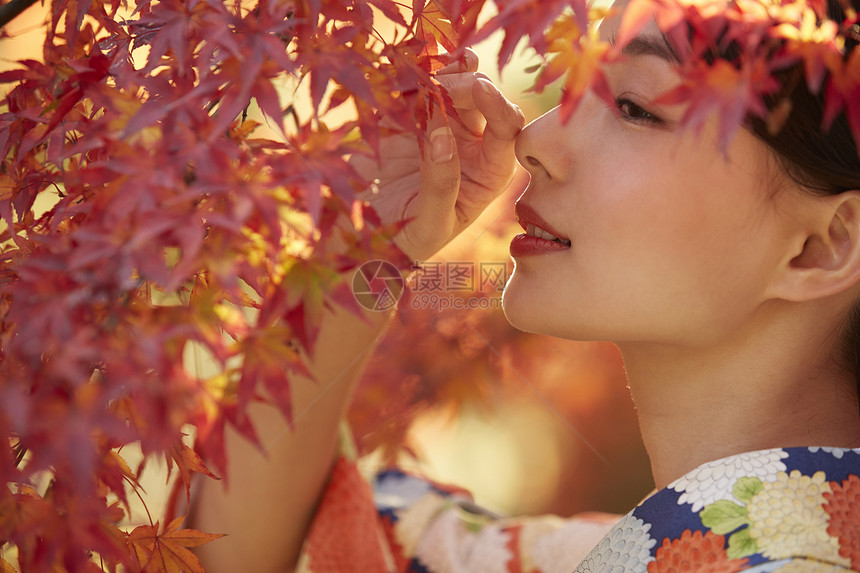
(535, 231)
(534, 225)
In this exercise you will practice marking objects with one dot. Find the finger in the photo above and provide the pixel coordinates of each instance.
(392, 147)
(468, 62)
(504, 121)
(460, 89)
(440, 185)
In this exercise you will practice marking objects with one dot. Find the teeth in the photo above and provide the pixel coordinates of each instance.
(536, 231)
(544, 235)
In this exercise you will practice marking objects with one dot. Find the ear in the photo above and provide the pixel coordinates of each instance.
(828, 261)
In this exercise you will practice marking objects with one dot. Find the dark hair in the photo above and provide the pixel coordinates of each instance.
(823, 161)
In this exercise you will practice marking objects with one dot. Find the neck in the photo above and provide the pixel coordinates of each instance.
(698, 404)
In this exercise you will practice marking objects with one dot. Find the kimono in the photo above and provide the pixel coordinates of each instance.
(786, 509)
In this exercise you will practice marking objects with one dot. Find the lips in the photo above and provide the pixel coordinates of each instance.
(539, 237)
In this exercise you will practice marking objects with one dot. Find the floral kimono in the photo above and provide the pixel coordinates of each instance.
(789, 509)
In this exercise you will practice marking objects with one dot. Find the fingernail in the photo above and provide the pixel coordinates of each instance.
(442, 145)
(489, 88)
(471, 59)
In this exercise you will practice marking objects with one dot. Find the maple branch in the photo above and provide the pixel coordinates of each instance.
(11, 9)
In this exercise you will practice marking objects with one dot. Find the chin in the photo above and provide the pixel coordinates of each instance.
(519, 307)
(532, 307)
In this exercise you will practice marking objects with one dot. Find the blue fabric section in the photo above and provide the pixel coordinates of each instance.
(415, 566)
(835, 468)
(667, 518)
(755, 559)
(393, 490)
(405, 483)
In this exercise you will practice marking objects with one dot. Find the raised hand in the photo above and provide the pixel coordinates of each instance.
(463, 167)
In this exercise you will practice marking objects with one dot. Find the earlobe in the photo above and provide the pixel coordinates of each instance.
(829, 260)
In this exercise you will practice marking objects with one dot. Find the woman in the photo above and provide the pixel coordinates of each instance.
(728, 278)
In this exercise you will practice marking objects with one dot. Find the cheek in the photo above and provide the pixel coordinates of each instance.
(678, 205)
(696, 253)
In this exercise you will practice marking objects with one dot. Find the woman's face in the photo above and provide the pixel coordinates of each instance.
(672, 240)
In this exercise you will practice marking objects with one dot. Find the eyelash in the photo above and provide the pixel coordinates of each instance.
(636, 113)
(644, 116)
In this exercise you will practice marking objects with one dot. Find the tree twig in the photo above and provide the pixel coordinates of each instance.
(10, 10)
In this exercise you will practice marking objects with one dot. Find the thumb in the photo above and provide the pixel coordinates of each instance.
(440, 185)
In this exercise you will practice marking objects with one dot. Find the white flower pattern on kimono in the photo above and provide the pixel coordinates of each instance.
(555, 552)
(412, 521)
(803, 566)
(713, 481)
(625, 549)
(796, 566)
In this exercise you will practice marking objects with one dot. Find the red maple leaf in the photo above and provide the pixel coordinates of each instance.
(723, 90)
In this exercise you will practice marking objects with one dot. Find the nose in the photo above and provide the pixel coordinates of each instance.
(534, 143)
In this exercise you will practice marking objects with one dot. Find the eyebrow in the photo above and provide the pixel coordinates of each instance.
(650, 46)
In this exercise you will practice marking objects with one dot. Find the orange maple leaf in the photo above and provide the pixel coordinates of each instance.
(581, 56)
(168, 552)
(188, 461)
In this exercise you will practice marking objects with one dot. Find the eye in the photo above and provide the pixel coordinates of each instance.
(632, 112)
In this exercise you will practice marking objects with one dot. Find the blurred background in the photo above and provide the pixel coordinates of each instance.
(529, 424)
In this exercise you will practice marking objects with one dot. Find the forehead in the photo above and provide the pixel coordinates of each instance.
(610, 25)
(649, 41)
